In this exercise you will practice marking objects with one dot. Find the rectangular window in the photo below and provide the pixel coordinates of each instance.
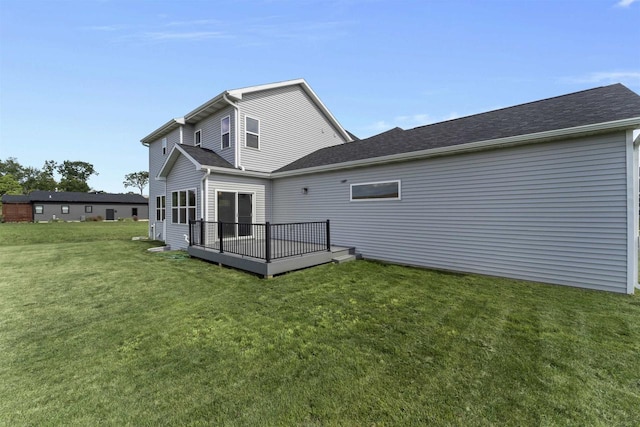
(39, 209)
(160, 205)
(197, 138)
(164, 146)
(88, 209)
(225, 128)
(134, 211)
(183, 206)
(252, 128)
(64, 209)
(387, 190)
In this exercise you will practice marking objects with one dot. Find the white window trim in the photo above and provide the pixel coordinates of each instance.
(62, 209)
(381, 199)
(222, 147)
(195, 144)
(195, 191)
(160, 208)
(252, 133)
(236, 192)
(164, 146)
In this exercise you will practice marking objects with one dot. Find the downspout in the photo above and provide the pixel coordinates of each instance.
(181, 137)
(204, 190)
(236, 130)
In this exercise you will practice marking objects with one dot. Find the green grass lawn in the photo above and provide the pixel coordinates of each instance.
(96, 330)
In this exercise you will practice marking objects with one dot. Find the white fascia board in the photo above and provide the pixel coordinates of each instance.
(632, 123)
(238, 172)
(171, 160)
(162, 130)
(238, 93)
(201, 108)
(326, 111)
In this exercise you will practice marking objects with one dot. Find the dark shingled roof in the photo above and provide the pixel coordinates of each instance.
(599, 105)
(206, 157)
(15, 198)
(76, 197)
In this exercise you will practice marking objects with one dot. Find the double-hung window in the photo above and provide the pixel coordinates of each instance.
(183, 206)
(252, 131)
(197, 138)
(225, 131)
(160, 211)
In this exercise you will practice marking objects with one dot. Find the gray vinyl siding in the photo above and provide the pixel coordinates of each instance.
(291, 126)
(551, 212)
(77, 212)
(211, 136)
(156, 187)
(183, 176)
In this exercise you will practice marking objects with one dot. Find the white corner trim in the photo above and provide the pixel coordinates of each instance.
(632, 212)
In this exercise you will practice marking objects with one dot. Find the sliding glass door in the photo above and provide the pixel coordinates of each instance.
(235, 211)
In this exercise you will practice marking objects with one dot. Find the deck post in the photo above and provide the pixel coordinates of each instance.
(190, 232)
(202, 232)
(267, 242)
(220, 228)
(328, 237)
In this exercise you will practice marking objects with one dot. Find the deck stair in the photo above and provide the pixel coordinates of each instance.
(340, 255)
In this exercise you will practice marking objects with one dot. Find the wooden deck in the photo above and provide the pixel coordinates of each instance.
(281, 261)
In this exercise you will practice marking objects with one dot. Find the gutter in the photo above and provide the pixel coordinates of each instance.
(468, 147)
(236, 161)
(229, 171)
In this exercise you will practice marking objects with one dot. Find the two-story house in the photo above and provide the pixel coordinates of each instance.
(219, 156)
(544, 191)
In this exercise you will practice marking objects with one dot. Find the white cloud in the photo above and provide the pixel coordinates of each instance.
(103, 28)
(176, 35)
(194, 23)
(625, 3)
(608, 77)
(264, 31)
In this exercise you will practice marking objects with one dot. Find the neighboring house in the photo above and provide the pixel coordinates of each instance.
(73, 206)
(544, 191)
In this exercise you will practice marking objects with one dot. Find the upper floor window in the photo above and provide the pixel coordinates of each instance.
(197, 138)
(183, 206)
(225, 127)
(164, 146)
(252, 127)
(387, 190)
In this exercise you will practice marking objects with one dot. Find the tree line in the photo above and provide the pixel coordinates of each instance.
(18, 179)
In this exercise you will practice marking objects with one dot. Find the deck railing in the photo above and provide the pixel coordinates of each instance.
(263, 241)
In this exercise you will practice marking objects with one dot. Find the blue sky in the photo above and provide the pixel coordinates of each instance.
(86, 80)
